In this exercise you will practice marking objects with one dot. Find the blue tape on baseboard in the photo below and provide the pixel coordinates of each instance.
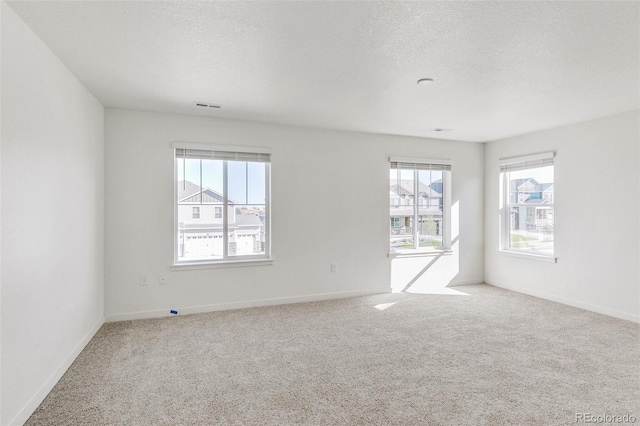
(173, 312)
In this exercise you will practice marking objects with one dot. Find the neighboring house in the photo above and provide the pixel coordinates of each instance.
(529, 191)
(436, 185)
(200, 224)
(402, 200)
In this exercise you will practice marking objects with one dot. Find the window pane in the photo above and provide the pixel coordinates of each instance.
(247, 231)
(531, 228)
(401, 200)
(237, 181)
(430, 190)
(189, 179)
(531, 220)
(417, 206)
(202, 218)
(256, 183)
(200, 211)
(247, 190)
(212, 176)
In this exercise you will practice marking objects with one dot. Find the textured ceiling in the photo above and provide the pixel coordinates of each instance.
(500, 68)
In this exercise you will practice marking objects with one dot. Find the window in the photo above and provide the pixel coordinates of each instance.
(419, 205)
(527, 205)
(220, 190)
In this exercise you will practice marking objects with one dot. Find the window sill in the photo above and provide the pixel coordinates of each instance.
(221, 264)
(529, 256)
(420, 253)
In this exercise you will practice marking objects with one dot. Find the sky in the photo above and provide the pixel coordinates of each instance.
(540, 174)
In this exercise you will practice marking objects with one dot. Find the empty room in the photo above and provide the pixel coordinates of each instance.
(319, 213)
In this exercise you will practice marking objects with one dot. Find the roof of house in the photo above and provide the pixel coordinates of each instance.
(189, 192)
(517, 183)
(186, 188)
(544, 186)
(406, 187)
(248, 220)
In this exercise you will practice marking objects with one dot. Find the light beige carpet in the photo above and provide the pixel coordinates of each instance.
(491, 357)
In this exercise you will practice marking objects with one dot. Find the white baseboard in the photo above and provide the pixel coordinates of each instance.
(570, 302)
(241, 305)
(44, 390)
(456, 283)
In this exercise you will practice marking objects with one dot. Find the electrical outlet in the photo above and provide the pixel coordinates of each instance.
(334, 267)
(163, 280)
(143, 280)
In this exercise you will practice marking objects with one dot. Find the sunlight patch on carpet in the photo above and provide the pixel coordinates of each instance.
(383, 306)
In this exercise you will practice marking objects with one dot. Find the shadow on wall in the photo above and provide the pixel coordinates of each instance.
(429, 273)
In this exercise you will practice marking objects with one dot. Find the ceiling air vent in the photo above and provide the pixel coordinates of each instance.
(206, 105)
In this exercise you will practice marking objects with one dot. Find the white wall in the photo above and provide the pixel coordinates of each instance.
(329, 204)
(52, 170)
(596, 217)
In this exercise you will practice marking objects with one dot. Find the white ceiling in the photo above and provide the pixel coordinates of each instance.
(500, 68)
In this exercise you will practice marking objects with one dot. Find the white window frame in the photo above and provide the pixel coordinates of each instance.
(241, 153)
(510, 164)
(195, 210)
(444, 165)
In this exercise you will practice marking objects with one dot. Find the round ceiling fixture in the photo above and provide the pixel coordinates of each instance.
(425, 81)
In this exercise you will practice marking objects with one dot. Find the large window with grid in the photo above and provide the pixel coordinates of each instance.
(221, 204)
(528, 197)
(419, 205)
